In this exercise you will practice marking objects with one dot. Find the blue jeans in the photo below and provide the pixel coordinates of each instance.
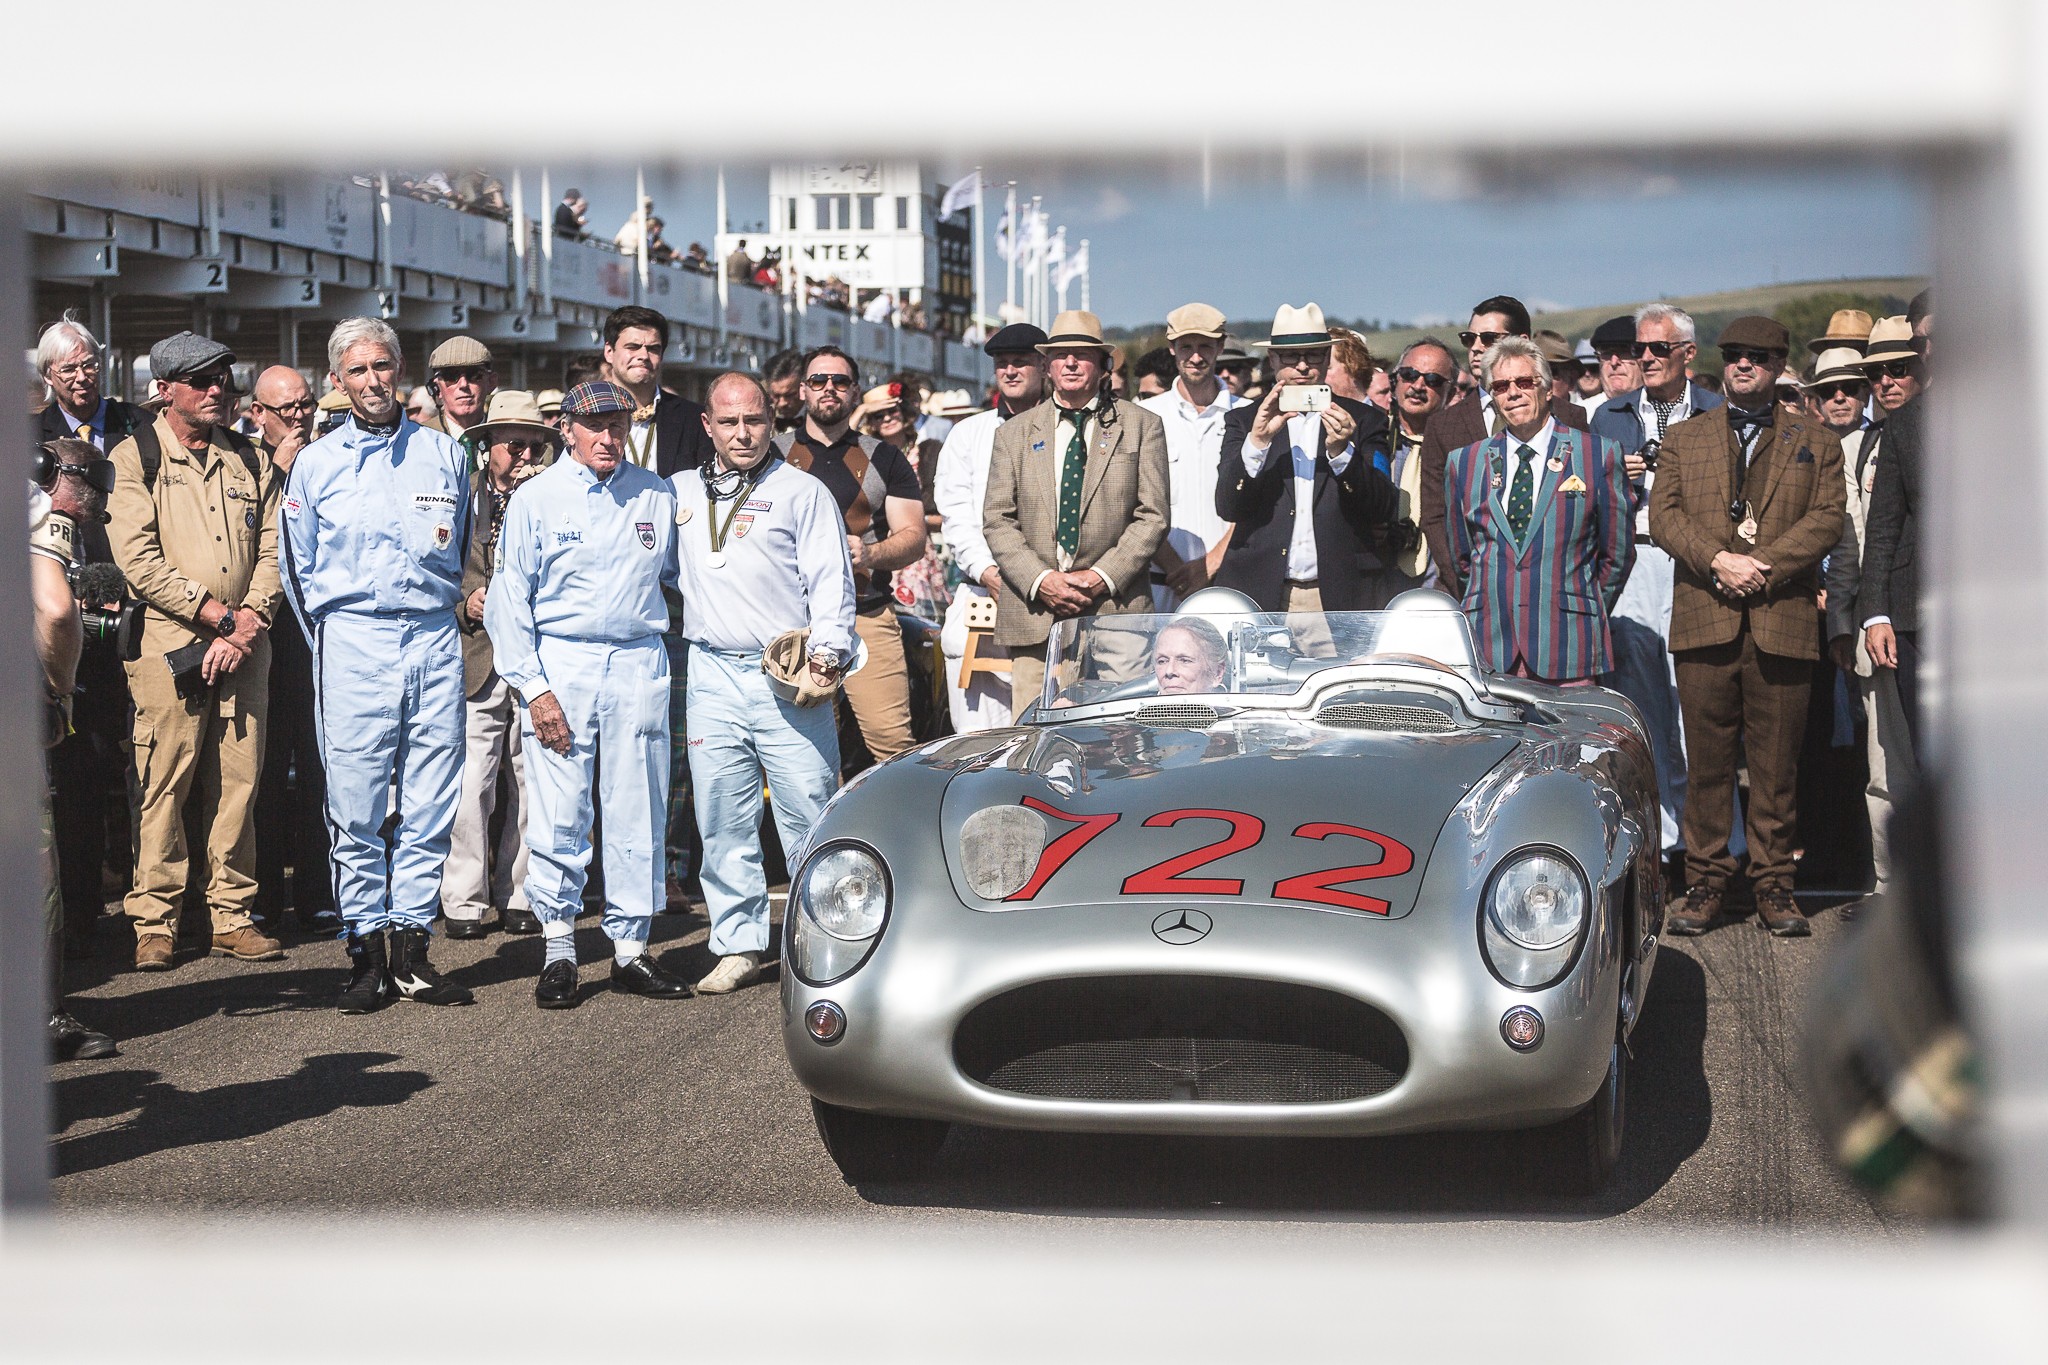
(390, 715)
(615, 699)
(741, 733)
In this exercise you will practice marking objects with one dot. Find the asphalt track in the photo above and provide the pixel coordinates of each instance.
(239, 1088)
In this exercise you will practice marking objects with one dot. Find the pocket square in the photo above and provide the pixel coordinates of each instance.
(1574, 484)
(1805, 456)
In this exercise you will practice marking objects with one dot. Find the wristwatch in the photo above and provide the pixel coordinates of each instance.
(226, 624)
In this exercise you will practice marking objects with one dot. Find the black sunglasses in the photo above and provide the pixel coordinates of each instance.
(100, 474)
(828, 381)
(217, 379)
(1408, 374)
(1828, 393)
(1735, 355)
(1659, 349)
(1896, 369)
(1472, 339)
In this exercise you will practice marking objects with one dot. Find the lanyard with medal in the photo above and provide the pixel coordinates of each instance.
(716, 488)
(1739, 510)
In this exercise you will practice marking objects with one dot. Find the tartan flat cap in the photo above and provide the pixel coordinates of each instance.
(595, 397)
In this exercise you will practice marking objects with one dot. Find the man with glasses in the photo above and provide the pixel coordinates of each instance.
(1638, 421)
(958, 489)
(91, 761)
(1614, 352)
(194, 527)
(1192, 409)
(291, 821)
(462, 378)
(1424, 379)
(882, 504)
(1469, 422)
(1748, 499)
(1887, 596)
(1240, 372)
(1308, 491)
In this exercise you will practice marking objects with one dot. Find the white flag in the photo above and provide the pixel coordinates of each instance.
(1003, 243)
(1056, 249)
(965, 192)
(1073, 268)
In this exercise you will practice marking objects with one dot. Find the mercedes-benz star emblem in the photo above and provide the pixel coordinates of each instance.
(1182, 926)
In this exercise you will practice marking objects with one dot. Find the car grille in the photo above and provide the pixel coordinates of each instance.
(1352, 715)
(1178, 715)
(1152, 1039)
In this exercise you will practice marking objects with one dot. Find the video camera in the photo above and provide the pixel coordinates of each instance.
(110, 616)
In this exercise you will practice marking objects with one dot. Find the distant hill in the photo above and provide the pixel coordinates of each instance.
(1792, 304)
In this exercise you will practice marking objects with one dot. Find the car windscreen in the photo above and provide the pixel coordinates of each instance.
(1095, 659)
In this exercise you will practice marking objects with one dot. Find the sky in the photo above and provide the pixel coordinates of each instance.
(1402, 238)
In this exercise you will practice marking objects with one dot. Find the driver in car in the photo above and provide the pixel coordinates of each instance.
(1188, 657)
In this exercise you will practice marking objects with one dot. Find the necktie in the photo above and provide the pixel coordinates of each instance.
(1067, 529)
(1663, 412)
(84, 433)
(1522, 491)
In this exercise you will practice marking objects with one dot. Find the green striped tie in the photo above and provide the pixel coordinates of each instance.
(1067, 530)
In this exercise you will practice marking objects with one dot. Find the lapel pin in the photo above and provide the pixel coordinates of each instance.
(1557, 464)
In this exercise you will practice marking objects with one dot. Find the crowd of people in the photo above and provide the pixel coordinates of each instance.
(379, 637)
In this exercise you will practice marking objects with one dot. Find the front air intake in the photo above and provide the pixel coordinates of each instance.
(1364, 715)
(1178, 716)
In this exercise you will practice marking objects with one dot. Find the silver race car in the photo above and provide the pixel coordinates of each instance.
(1238, 873)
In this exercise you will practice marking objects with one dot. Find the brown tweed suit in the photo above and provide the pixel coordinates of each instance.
(1123, 521)
(1745, 664)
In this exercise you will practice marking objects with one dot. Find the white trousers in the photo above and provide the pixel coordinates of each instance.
(481, 875)
(985, 705)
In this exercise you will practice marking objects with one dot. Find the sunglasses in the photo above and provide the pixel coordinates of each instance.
(466, 374)
(1660, 349)
(1895, 369)
(1627, 352)
(100, 474)
(818, 383)
(519, 445)
(1408, 374)
(1524, 382)
(292, 409)
(222, 379)
(1828, 393)
(1472, 339)
(1735, 355)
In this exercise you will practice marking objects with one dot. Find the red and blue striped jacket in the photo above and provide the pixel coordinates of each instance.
(1543, 599)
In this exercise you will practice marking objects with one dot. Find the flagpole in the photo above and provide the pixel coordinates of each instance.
(1038, 264)
(979, 265)
(1010, 280)
(640, 209)
(1086, 266)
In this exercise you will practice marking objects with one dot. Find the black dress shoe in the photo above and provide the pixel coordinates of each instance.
(518, 921)
(642, 977)
(556, 989)
(71, 1041)
(465, 928)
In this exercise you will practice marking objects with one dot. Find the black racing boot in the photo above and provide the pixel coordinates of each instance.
(369, 978)
(415, 979)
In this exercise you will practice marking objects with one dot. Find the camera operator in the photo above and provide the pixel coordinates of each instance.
(92, 763)
(69, 491)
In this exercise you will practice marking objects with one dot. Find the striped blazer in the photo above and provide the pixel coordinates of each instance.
(1543, 598)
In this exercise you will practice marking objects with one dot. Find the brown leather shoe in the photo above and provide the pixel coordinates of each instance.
(247, 944)
(1701, 910)
(1776, 911)
(153, 952)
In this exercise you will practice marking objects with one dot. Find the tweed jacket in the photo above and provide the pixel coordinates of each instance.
(1544, 596)
(1351, 511)
(1796, 493)
(1454, 428)
(1124, 506)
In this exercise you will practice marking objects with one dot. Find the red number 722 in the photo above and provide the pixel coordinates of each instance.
(1170, 877)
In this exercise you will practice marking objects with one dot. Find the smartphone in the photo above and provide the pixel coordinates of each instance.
(1304, 397)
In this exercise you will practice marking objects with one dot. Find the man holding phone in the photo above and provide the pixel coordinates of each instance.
(1302, 447)
(194, 528)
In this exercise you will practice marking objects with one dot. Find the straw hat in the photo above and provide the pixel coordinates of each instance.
(1841, 363)
(1076, 330)
(514, 410)
(1848, 328)
(1891, 339)
(1298, 329)
(550, 402)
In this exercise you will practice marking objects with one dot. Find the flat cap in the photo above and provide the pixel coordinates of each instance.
(186, 353)
(1194, 320)
(1619, 331)
(458, 352)
(595, 397)
(1762, 333)
(1018, 336)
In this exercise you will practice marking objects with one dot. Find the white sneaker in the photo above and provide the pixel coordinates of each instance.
(732, 972)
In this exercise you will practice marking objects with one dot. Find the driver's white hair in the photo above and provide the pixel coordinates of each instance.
(1680, 320)
(59, 340)
(354, 332)
(1513, 346)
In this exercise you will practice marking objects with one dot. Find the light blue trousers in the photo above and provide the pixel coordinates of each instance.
(615, 698)
(741, 733)
(390, 718)
(1643, 674)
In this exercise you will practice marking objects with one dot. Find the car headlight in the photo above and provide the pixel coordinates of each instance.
(1535, 912)
(842, 901)
(999, 847)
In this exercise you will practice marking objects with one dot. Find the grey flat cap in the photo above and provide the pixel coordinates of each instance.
(186, 353)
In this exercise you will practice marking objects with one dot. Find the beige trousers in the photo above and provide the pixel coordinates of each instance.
(880, 692)
(207, 751)
(478, 876)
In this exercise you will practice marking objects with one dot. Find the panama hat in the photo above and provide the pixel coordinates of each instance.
(1891, 339)
(1849, 327)
(1843, 362)
(1076, 330)
(514, 410)
(1298, 329)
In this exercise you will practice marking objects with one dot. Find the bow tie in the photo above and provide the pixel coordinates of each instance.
(645, 414)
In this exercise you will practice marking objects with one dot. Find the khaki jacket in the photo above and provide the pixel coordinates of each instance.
(1796, 492)
(208, 530)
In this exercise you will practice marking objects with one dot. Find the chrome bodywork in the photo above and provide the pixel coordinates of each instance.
(1523, 765)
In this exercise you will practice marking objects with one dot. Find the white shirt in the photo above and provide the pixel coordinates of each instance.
(1194, 449)
(1302, 435)
(640, 445)
(960, 486)
(1647, 415)
(1536, 447)
(786, 565)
